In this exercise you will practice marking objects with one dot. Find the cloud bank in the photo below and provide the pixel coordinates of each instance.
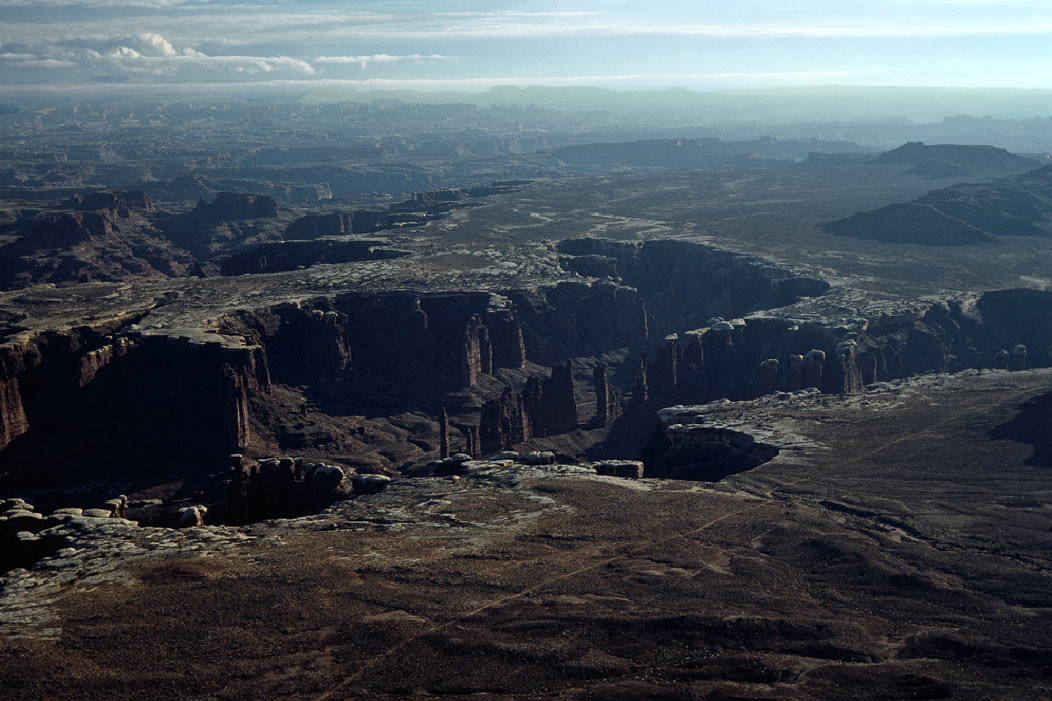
(441, 42)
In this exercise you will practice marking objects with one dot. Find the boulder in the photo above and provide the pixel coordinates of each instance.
(370, 484)
(631, 469)
(192, 516)
(1018, 361)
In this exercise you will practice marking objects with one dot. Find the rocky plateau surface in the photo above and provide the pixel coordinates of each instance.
(853, 563)
(394, 451)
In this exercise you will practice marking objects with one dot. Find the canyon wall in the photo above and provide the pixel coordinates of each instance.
(292, 255)
(744, 358)
(112, 384)
(544, 407)
(91, 389)
(684, 283)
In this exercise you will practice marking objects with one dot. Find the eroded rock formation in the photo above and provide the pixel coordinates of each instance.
(99, 390)
(234, 206)
(120, 202)
(640, 383)
(607, 402)
(443, 434)
(69, 229)
(544, 407)
(282, 488)
(558, 404)
(684, 283)
(504, 423)
(687, 445)
(360, 221)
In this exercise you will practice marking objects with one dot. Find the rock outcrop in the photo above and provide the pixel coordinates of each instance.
(558, 405)
(630, 469)
(492, 339)
(689, 446)
(768, 382)
(70, 229)
(301, 343)
(504, 423)
(1018, 360)
(607, 402)
(293, 255)
(282, 488)
(681, 284)
(544, 407)
(575, 318)
(315, 226)
(133, 390)
(966, 157)
(123, 203)
(443, 434)
(472, 443)
(640, 382)
(362, 221)
(234, 206)
(476, 353)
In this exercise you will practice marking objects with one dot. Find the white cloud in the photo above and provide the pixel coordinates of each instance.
(364, 61)
(150, 55)
(96, 4)
(160, 45)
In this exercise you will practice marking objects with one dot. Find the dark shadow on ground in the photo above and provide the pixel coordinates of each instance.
(1033, 425)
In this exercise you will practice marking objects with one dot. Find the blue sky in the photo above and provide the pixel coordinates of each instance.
(469, 44)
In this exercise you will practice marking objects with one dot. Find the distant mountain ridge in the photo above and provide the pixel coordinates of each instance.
(701, 153)
(953, 159)
(817, 104)
(1019, 205)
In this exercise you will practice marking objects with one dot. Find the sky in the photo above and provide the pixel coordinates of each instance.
(473, 45)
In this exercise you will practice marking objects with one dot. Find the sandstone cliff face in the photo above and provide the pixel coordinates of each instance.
(121, 202)
(106, 385)
(13, 422)
(98, 390)
(233, 206)
(361, 221)
(70, 229)
(449, 338)
(504, 423)
(743, 358)
(300, 343)
(446, 340)
(558, 405)
(314, 226)
(640, 382)
(683, 284)
(580, 319)
(544, 407)
(477, 357)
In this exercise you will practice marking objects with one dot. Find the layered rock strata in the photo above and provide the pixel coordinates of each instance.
(544, 407)
(233, 206)
(135, 389)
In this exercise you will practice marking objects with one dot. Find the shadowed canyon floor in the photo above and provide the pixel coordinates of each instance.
(897, 547)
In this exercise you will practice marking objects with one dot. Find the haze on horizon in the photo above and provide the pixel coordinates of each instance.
(54, 45)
